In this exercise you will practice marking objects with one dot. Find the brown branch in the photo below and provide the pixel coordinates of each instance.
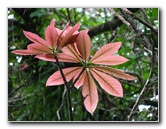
(60, 69)
(107, 26)
(139, 19)
(138, 32)
(68, 90)
(121, 18)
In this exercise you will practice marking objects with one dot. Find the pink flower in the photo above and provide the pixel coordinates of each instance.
(98, 68)
(55, 39)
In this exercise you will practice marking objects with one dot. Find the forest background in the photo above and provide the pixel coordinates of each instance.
(30, 100)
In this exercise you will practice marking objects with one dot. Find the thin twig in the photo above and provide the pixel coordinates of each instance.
(68, 90)
(64, 92)
(144, 88)
(63, 98)
(60, 69)
(145, 15)
(138, 32)
(140, 20)
(121, 18)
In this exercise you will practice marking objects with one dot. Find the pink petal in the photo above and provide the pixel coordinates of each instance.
(56, 78)
(52, 23)
(69, 50)
(46, 57)
(61, 34)
(59, 31)
(115, 72)
(67, 25)
(89, 92)
(67, 38)
(105, 51)
(66, 58)
(51, 36)
(81, 79)
(33, 49)
(108, 83)
(110, 60)
(84, 44)
(61, 57)
(37, 48)
(74, 46)
(35, 38)
(23, 52)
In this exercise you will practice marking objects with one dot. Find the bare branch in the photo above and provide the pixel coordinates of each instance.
(138, 32)
(63, 98)
(139, 19)
(121, 18)
(144, 88)
(107, 26)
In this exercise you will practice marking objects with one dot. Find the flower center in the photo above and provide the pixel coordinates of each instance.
(87, 64)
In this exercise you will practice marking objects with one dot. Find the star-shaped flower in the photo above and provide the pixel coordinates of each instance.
(98, 68)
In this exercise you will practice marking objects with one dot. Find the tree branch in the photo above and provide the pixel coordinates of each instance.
(138, 32)
(139, 19)
(107, 26)
(121, 18)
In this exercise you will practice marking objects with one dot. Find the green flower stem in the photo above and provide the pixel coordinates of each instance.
(87, 64)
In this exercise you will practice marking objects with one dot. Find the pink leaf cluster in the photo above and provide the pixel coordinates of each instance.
(76, 47)
(96, 68)
(55, 39)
